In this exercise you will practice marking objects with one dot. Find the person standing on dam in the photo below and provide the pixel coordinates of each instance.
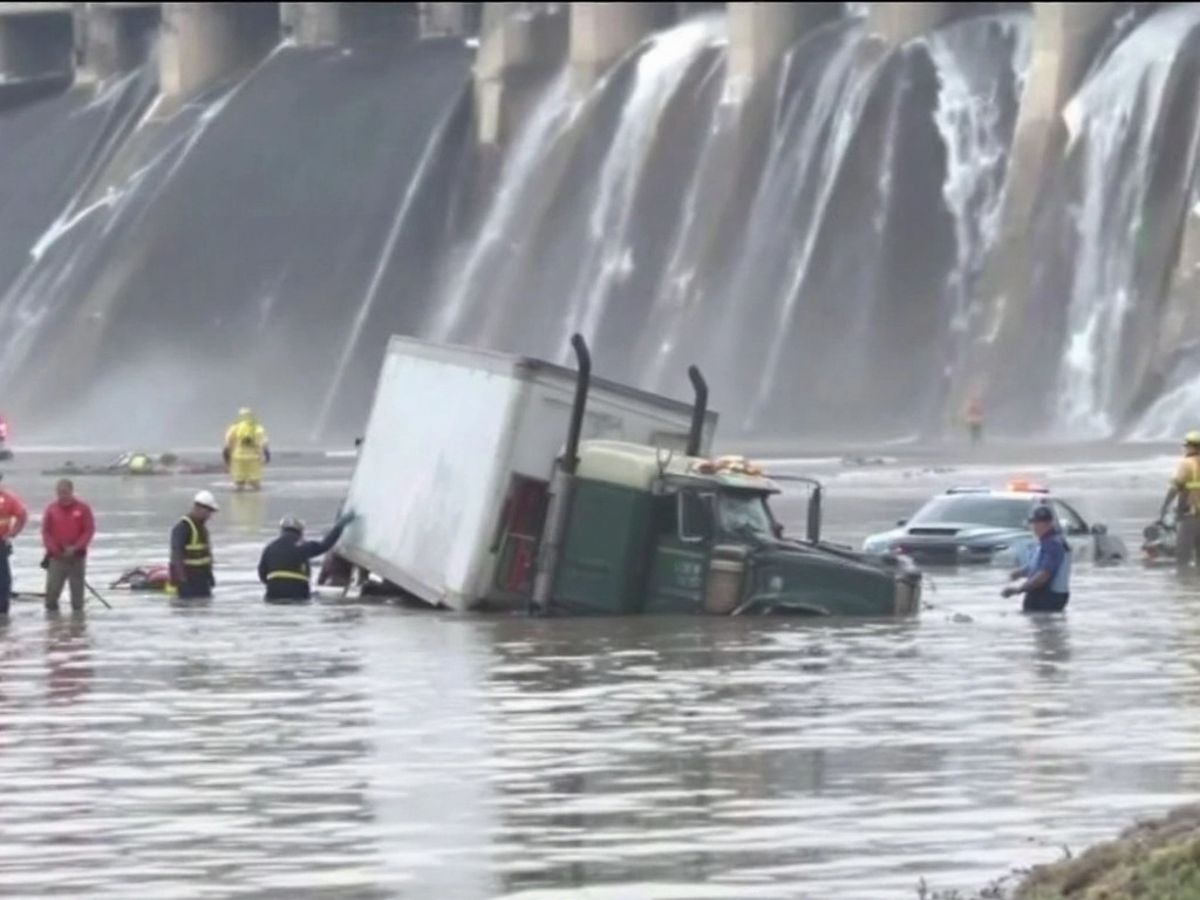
(68, 527)
(1185, 493)
(285, 563)
(973, 416)
(191, 551)
(246, 450)
(13, 517)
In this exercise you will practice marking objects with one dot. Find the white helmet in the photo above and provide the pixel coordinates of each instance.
(206, 499)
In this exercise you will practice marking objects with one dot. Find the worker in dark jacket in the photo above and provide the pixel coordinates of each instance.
(284, 566)
(191, 551)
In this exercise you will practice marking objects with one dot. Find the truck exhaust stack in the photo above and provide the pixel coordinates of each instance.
(560, 485)
(571, 457)
(696, 435)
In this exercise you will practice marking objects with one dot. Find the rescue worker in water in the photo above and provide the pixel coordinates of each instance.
(1046, 580)
(246, 449)
(1185, 488)
(191, 552)
(284, 565)
(68, 527)
(13, 517)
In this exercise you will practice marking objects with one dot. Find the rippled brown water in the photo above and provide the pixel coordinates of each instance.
(349, 750)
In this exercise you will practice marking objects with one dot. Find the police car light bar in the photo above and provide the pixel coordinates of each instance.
(968, 490)
(1024, 486)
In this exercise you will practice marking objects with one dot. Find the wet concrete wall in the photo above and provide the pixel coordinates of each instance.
(205, 42)
(1066, 38)
(350, 24)
(35, 41)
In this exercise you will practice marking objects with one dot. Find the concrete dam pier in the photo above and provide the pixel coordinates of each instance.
(202, 43)
(917, 181)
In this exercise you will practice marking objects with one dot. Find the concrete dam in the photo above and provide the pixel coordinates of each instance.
(852, 216)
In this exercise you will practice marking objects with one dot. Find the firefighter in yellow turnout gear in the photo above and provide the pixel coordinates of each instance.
(1185, 493)
(246, 450)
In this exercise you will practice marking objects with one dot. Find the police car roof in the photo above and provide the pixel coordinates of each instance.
(1031, 496)
(1013, 490)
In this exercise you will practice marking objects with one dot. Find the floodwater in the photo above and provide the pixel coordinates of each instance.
(354, 750)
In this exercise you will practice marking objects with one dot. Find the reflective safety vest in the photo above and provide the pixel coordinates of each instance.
(1187, 479)
(196, 552)
(1192, 482)
(304, 573)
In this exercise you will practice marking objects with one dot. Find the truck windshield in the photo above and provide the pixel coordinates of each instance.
(996, 512)
(744, 512)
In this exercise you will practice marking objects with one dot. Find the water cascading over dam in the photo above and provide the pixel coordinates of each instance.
(813, 244)
(848, 239)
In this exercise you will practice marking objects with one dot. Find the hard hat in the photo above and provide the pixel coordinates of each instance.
(291, 523)
(1192, 439)
(245, 412)
(207, 500)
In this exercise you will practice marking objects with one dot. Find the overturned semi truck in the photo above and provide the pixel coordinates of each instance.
(493, 481)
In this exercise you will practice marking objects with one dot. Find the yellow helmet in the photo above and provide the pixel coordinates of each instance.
(1192, 439)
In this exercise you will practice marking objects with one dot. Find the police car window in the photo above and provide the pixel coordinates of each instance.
(967, 509)
(1069, 519)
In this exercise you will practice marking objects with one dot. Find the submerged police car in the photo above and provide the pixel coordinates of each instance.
(969, 526)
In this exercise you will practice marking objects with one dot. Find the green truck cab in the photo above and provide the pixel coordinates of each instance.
(652, 532)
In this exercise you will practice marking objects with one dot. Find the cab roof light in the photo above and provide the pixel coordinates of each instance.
(727, 465)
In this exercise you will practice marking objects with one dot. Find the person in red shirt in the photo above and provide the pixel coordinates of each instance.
(12, 522)
(67, 531)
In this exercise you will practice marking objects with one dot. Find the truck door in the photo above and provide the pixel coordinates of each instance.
(517, 536)
(684, 528)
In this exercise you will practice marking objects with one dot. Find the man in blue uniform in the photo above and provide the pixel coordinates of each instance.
(284, 565)
(1047, 578)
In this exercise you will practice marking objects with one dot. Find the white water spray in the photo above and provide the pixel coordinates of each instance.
(609, 255)
(805, 159)
(507, 226)
(1115, 120)
(974, 67)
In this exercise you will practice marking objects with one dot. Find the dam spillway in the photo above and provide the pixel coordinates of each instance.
(852, 216)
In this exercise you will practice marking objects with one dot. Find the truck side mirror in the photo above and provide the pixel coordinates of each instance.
(900, 523)
(814, 515)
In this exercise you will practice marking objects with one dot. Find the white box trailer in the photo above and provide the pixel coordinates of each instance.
(453, 474)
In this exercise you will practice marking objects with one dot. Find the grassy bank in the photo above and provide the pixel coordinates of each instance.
(1156, 860)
